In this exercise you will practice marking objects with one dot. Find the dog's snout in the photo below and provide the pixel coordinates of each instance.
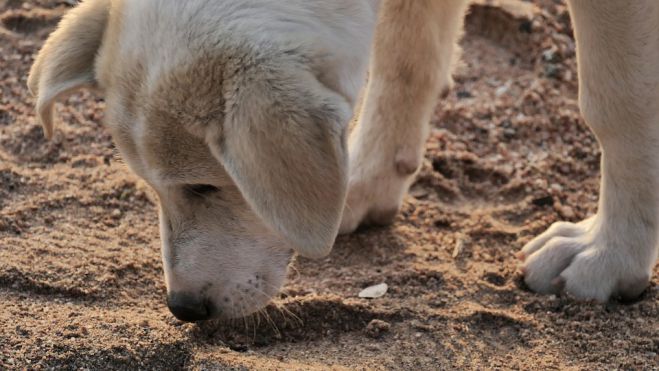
(188, 307)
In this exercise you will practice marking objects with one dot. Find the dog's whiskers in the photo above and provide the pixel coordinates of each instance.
(282, 308)
(265, 313)
(242, 310)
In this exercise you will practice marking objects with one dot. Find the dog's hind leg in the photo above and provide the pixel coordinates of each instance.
(414, 50)
(612, 253)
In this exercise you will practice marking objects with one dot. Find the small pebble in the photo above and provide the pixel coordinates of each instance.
(567, 212)
(459, 246)
(375, 291)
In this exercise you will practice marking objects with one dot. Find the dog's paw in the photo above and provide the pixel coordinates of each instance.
(376, 188)
(587, 261)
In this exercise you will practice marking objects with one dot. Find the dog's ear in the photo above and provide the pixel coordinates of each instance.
(283, 143)
(66, 61)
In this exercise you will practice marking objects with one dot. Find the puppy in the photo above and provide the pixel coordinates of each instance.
(236, 113)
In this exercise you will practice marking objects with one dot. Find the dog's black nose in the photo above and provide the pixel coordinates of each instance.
(188, 308)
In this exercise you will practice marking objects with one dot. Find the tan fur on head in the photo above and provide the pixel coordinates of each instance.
(278, 132)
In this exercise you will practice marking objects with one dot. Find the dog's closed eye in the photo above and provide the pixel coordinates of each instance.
(200, 190)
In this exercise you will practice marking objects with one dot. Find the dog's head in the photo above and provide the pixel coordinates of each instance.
(239, 126)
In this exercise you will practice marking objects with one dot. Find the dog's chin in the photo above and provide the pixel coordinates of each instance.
(228, 313)
(245, 306)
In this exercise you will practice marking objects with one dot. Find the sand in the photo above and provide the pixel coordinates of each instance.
(81, 282)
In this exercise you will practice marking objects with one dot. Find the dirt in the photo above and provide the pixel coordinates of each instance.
(81, 282)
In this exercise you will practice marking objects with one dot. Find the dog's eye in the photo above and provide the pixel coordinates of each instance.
(200, 189)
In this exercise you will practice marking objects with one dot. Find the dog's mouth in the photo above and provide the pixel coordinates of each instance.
(233, 294)
(189, 308)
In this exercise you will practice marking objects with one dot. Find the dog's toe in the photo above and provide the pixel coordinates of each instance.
(585, 262)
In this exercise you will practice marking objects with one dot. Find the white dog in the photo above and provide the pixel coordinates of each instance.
(236, 113)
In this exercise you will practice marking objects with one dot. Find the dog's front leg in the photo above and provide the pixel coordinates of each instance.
(612, 253)
(414, 49)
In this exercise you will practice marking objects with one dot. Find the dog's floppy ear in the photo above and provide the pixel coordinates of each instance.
(66, 61)
(283, 143)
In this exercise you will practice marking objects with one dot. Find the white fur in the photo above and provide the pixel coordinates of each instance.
(386, 147)
(614, 252)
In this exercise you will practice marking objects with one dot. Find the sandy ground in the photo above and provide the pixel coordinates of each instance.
(81, 280)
